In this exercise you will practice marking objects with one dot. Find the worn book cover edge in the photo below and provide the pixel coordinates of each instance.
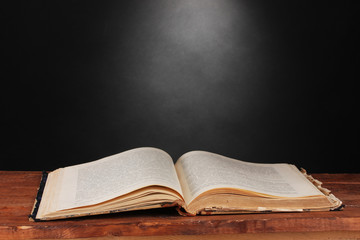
(32, 216)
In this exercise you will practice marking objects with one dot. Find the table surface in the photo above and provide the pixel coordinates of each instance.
(18, 191)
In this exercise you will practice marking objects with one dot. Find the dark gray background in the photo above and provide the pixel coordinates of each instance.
(261, 81)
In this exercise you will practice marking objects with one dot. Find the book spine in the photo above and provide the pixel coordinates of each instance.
(38, 198)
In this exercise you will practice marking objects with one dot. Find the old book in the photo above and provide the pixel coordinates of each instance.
(199, 183)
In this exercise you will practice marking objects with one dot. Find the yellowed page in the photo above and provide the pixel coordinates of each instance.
(201, 171)
(49, 194)
(110, 177)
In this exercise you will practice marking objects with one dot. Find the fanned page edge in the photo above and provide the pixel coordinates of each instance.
(175, 204)
(338, 204)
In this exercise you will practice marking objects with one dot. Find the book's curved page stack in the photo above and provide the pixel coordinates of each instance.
(199, 183)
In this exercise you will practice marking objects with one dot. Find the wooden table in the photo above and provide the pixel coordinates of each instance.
(18, 191)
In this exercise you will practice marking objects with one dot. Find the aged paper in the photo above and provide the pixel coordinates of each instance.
(200, 171)
(116, 175)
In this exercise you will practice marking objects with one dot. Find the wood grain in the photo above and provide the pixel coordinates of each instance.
(18, 191)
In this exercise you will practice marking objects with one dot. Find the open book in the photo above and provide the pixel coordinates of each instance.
(199, 183)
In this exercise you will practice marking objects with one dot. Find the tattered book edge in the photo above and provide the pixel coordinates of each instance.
(32, 216)
(337, 203)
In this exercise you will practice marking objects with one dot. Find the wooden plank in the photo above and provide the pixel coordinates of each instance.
(18, 191)
(340, 178)
(341, 235)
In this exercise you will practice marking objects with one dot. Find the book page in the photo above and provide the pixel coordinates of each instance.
(113, 176)
(201, 171)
